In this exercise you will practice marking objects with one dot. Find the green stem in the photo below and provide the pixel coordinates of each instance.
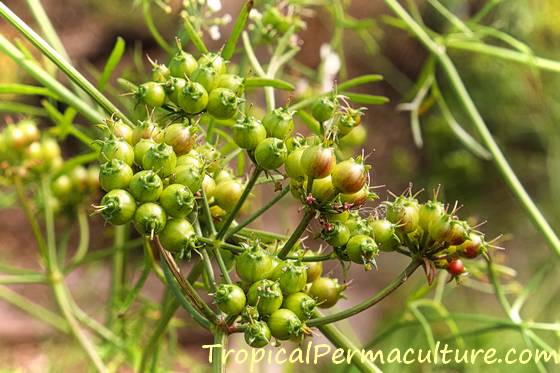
(62, 299)
(30, 216)
(24, 89)
(23, 279)
(83, 244)
(294, 238)
(248, 188)
(394, 285)
(146, 11)
(221, 264)
(160, 329)
(10, 270)
(117, 274)
(205, 258)
(187, 287)
(207, 213)
(193, 34)
(33, 69)
(258, 213)
(135, 291)
(33, 309)
(263, 235)
(223, 245)
(251, 55)
(187, 305)
(82, 137)
(59, 61)
(151, 260)
(50, 34)
(503, 53)
(499, 292)
(209, 271)
(95, 326)
(61, 294)
(103, 253)
(238, 250)
(498, 157)
(218, 363)
(18, 108)
(338, 339)
(75, 161)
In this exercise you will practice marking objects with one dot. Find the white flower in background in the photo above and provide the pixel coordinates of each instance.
(214, 32)
(214, 5)
(255, 15)
(294, 40)
(330, 67)
(302, 85)
(226, 19)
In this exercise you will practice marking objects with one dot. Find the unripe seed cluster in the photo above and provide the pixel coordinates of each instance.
(29, 153)
(168, 177)
(191, 86)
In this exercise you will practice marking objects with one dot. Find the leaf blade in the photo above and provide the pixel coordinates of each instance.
(238, 27)
(112, 62)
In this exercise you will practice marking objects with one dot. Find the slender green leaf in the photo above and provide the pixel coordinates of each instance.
(194, 35)
(76, 161)
(238, 28)
(18, 108)
(147, 12)
(360, 80)
(362, 98)
(309, 121)
(112, 62)
(127, 84)
(254, 81)
(24, 89)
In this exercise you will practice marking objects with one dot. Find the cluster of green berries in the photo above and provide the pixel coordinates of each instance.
(153, 177)
(272, 23)
(23, 145)
(73, 187)
(425, 230)
(273, 297)
(429, 231)
(192, 86)
(25, 149)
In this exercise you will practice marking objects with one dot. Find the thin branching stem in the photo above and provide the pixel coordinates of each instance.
(48, 51)
(370, 302)
(296, 235)
(466, 101)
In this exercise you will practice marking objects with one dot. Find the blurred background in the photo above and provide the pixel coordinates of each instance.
(520, 104)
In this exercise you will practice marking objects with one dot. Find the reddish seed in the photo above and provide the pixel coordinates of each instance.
(456, 267)
(471, 248)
